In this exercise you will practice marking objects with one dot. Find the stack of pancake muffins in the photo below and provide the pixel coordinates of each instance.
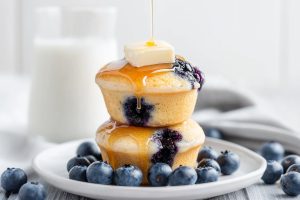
(150, 108)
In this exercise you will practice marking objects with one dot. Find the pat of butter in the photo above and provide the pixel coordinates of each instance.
(149, 53)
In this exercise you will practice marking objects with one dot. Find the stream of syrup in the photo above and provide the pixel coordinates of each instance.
(151, 41)
(137, 76)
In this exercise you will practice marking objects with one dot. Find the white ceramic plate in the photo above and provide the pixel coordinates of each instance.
(51, 166)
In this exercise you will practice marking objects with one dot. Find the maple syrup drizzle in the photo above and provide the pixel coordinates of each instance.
(151, 41)
(137, 76)
(152, 19)
(140, 135)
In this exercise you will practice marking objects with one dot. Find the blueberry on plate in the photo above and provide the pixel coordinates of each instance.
(77, 161)
(272, 151)
(89, 148)
(78, 173)
(100, 172)
(207, 152)
(229, 162)
(290, 183)
(12, 179)
(158, 174)
(128, 175)
(32, 191)
(183, 175)
(273, 172)
(289, 161)
(294, 168)
(213, 133)
(209, 163)
(207, 175)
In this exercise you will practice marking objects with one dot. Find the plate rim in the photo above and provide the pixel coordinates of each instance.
(52, 178)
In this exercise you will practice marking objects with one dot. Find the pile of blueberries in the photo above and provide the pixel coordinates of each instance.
(286, 169)
(88, 166)
(14, 180)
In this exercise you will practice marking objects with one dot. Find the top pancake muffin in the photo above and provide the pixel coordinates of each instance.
(152, 95)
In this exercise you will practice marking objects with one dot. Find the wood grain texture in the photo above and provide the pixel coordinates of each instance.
(257, 191)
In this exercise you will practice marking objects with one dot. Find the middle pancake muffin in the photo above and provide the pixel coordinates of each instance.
(142, 146)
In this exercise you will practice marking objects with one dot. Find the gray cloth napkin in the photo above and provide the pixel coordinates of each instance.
(242, 117)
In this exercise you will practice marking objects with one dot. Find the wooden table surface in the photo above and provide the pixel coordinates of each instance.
(257, 191)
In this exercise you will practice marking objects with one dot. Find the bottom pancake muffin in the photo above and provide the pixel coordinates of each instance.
(142, 146)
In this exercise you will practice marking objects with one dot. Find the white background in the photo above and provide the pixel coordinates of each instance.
(251, 42)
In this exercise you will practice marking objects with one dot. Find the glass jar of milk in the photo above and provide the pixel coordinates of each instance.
(70, 46)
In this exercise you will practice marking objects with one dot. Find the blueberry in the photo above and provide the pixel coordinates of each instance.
(89, 148)
(206, 175)
(158, 174)
(128, 175)
(77, 161)
(32, 191)
(229, 162)
(290, 183)
(207, 152)
(78, 173)
(12, 179)
(209, 163)
(199, 76)
(91, 158)
(183, 175)
(135, 116)
(272, 151)
(289, 161)
(166, 140)
(188, 67)
(186, 71)
(213, 133)
(100, 172)
(273, 172)
(294, 168)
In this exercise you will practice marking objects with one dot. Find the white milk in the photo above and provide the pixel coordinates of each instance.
(65, 101)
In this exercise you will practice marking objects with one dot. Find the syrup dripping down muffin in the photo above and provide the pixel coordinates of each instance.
(143, 146)
(153, 95)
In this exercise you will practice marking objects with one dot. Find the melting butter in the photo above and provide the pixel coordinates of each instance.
(149, 53)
